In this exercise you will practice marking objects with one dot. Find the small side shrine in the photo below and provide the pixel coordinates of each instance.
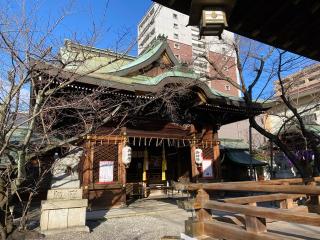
(151, 148)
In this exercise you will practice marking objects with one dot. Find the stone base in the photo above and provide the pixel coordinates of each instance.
(60, 214)
(64, 230)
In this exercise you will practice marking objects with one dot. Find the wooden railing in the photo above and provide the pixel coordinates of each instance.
(254, 217)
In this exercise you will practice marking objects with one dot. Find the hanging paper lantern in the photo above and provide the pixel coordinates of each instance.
(198, 156)
(126, 155)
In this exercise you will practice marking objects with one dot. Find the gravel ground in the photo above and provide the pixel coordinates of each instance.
(147, 227)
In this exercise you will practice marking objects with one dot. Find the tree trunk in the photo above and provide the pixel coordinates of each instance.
(3, 233)
(21, 167)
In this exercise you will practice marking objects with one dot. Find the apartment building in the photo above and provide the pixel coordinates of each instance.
(306, 81)
(188, 47)
(303, 88)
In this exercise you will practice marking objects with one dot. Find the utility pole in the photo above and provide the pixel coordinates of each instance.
(250, 151)
(271, 159)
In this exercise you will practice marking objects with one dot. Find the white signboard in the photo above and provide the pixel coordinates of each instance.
(105, 171)
(207, 168)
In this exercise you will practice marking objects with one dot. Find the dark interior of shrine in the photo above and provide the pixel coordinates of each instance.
(178, 163)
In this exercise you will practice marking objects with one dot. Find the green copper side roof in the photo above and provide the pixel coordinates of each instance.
(243, 158)
(146, 58)
(144, 80)
(230, 143)
(157, 79)
(143, 57)
(225, 95)
(315, 128)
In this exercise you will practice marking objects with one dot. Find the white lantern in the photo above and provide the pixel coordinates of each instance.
(198, 156)
(126, 155)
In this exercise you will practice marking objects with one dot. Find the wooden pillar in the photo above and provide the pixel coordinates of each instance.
(122, 167)
(86, 169)
(178, 164)
(92, 146)
(202, 213)
(194, 170)
(195, 228)
(255, 224)
(216, 154)
(314, 206)
(122, 174)
(286, 203)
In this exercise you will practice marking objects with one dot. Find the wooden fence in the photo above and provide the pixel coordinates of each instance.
(254, 218)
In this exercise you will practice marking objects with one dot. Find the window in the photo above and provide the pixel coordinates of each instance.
(199, 45)
(176, 46)
(310, 118)
(151, 12)
(175, 36)
(175, 26)
(200, 65)
(225, 68)
(227, 87)
(225, 58)
(175, 16)
(177, 56)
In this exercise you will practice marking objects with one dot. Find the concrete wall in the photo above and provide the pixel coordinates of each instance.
(240, 130)
(280, 113)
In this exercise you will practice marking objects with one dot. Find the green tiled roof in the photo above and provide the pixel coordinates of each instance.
(229, 143)
(242, 157)
(157, 79)
(18, 136)
(315, 128)
(142, 57)
(146, 58)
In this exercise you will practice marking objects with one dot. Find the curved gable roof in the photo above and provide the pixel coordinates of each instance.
(146, 59)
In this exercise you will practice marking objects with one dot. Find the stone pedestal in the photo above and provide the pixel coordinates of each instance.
(64, 210)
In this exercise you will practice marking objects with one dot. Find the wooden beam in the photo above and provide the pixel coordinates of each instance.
(222, 230)
(295, 189)
(313, 190)
(197, 186)
(262, 198)
(95, 186)
(263, 212)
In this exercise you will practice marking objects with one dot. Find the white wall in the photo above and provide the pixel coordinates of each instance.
(240, 130)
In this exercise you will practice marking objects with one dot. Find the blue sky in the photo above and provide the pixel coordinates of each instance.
(113, 18)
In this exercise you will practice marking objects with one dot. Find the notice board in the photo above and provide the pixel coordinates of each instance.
(106, 171)
(207, 168)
